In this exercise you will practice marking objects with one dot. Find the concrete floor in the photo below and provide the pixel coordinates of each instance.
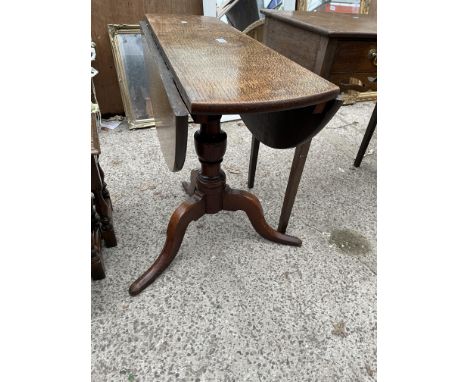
(233, 306)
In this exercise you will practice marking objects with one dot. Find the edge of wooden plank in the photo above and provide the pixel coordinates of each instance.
(315, 28)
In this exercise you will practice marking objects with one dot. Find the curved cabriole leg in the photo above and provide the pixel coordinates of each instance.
(180, 219)
(241, 200)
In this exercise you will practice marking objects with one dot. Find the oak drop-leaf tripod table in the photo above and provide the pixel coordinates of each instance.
(201, 66)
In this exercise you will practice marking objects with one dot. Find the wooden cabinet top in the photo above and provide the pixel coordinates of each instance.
(219, 70)
(329, 23)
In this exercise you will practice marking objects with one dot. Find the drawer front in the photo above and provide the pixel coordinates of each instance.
(355, 57)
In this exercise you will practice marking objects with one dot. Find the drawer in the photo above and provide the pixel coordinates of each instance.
(353, 57)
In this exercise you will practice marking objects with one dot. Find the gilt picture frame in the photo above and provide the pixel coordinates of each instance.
(127, 49)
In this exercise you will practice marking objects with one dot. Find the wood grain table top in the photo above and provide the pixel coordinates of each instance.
(329, 23)
(219, 70)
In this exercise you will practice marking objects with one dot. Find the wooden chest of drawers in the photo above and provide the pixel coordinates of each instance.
(339, 47)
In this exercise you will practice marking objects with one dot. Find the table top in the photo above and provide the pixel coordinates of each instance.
(219, 70)
(329, 23)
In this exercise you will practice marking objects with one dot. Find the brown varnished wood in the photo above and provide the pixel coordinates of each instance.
(210, 195)
(232, 77)
(235, 200)
(327, 54)
(101, 197)
(171, 114)
(367, 137)
(105, 12)
(237, 76)
(97, 266)
(254, 148)
(105, 191)
(103, 204)
(180, 219)
(288, 40)
(328, 23)
(295, 175)
(292, 128)
(101, 229)
(355, 54)
(289, 128)
(95, 151)
(336, 47)
(255, 30)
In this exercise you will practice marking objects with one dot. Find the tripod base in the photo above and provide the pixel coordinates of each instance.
(210, 194)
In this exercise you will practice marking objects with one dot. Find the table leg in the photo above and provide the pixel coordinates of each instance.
(103, 207)
(367, 137)
(300, 157)
(245, 201)
(189, 187)
(210, 196)
(180, 219)
(253, 161)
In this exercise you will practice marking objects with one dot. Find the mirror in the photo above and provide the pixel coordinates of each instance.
(127, 49)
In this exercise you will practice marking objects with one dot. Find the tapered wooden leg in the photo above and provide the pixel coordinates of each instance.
(367, 137)
(245, 201)
(180, 219)
(103, 208)
(253, 161)
(189, 187)
(300, 157)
